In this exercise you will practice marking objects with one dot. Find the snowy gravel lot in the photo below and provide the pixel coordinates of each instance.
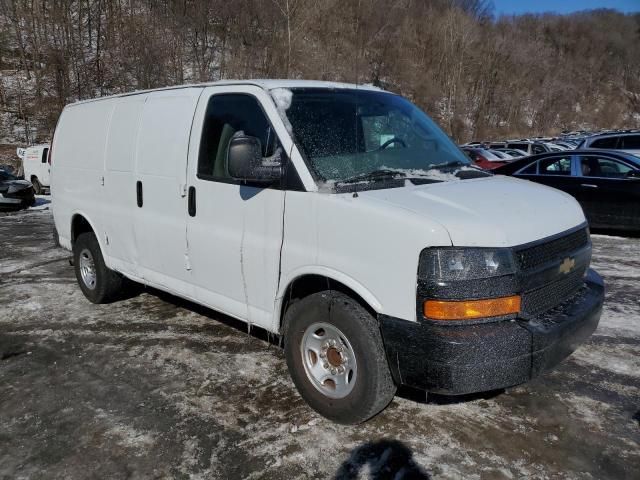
(155, 387)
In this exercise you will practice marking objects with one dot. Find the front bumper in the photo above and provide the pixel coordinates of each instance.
(461, 359)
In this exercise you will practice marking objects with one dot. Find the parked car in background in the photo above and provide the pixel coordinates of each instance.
(484, 158)
(605, 183)
(627, 142)
(514, 152)
(15, 194)
(36, 167)
(566, 144)
(532, 148)
(501, 155)
(554, 147)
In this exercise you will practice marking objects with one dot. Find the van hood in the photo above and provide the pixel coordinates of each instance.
(496, 211)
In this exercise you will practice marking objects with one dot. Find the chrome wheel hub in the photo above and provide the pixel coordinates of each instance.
(329, 360)
(87, 269)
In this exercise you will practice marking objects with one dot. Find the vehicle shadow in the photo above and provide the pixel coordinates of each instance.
(381, 460)
(135, 289)
(425, 398)
(408, 393)
(615, 233)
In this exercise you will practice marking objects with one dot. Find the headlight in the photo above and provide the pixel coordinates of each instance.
(451, 264)
(466, 283)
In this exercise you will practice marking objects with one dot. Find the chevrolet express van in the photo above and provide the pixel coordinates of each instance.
(337, 216)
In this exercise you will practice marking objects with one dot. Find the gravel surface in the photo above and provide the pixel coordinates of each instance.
(156, 387)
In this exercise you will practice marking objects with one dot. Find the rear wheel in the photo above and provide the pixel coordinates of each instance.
(37, 186)
(97, 282)
(336, 357)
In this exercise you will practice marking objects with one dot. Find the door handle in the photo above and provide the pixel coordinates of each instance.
(588, 185)
(191, 202)
(139, 193)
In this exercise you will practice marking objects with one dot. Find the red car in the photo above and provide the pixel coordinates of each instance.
(484, 158)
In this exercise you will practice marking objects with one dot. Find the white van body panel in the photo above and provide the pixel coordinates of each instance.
(488, 212)
(119, 182)
(35, 165)
(235, 238)
(366, 243)
(246, 245)
(78, 167)
(161, 164)
(378, 235)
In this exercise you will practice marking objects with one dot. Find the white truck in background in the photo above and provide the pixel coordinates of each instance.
(36, 167)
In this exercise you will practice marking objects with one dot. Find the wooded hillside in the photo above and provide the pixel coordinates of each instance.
(478, 76)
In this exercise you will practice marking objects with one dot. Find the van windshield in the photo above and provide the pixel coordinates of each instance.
(349, 135)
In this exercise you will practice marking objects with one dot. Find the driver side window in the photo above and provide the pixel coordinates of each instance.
(226, 115)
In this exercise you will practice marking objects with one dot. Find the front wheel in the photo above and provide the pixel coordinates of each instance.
(336, 358)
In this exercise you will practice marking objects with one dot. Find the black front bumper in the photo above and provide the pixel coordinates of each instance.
(461, 359)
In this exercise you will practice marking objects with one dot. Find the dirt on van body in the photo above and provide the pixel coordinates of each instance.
(155, 387)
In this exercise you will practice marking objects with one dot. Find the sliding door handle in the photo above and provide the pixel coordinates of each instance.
(139, 193)
(191, 202)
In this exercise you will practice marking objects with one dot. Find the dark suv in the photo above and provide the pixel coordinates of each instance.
(628, 142)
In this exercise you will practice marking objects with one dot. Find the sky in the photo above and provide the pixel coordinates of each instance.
(514, 7)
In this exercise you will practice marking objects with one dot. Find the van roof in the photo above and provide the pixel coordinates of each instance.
(266, 84)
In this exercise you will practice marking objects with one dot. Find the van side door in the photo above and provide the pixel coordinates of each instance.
(157, 194)
(119, 184)
(234, 230)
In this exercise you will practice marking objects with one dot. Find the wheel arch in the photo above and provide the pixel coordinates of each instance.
(304, 283)
(80, 224)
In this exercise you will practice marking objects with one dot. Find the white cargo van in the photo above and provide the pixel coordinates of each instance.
(337, 216)
(36, 166)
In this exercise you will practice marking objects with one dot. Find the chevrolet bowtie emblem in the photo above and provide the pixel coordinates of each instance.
(567, 265)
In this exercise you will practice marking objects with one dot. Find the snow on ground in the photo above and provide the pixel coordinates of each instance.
(153, 386)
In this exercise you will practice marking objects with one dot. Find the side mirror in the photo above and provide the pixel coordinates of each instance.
(245, 162)
(633, 175)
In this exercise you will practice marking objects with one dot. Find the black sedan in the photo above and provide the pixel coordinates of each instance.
(605, 182)
(15, 194)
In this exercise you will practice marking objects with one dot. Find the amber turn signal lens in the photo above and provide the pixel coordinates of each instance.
(470, 309)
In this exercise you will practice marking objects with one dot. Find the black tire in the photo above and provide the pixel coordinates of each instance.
(373, 387)
(37, 186)
(108, 284)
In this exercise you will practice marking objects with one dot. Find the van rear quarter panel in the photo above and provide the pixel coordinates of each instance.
(78, 165)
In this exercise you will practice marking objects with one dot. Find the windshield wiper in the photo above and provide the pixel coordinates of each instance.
(454, 163)
(374, 175)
